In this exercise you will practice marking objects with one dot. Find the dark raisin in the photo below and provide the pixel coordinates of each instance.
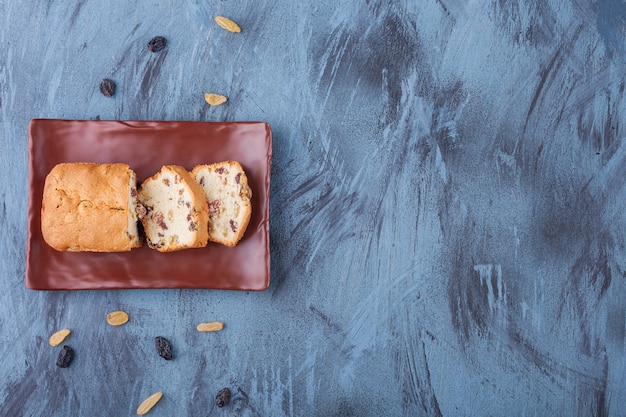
(166, 181)
(193, 226)
(233, 225)
(159, 218)
(223, 397)
(154, 245)
(238, 178)
(65, 357)
(157, 43)
(107, 87)
(214, 207)
(141, 211)
(163, 347)
(220, 170)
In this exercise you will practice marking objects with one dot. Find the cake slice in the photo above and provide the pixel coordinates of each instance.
(176, 211)
(89, 207)
(228, 195)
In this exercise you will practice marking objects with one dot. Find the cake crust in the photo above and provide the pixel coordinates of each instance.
(86, 207)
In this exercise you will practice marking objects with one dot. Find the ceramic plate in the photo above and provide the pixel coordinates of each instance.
(146, 146)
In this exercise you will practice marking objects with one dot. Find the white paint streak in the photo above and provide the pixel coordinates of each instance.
(507, 161)
(516, 241)
(534, 310)
(496, 298)
(537, 310)
(308, 368)
(441, 166)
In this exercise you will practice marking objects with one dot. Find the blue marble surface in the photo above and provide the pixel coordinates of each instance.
(447, 226)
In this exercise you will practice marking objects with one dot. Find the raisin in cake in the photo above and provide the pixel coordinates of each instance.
(89, 207)
(176, 210)
(225, 185)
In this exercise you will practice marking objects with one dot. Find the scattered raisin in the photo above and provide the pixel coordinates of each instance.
(193, 226)
(166, 181)
(223, 397)
(220, 170)
(238, 178)
(107, 87)
(233, 225)
(163, 347)
(65, 357)
(157, 43)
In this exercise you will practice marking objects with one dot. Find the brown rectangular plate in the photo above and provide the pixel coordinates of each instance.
(146, 146)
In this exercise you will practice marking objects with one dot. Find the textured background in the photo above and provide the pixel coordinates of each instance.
(447, 228)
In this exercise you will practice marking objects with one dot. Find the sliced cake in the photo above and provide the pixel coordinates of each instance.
(228, 195)
(176, 211)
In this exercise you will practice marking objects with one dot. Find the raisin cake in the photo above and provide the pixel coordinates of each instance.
(176, 211)
(228, 195)
(89, 207)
